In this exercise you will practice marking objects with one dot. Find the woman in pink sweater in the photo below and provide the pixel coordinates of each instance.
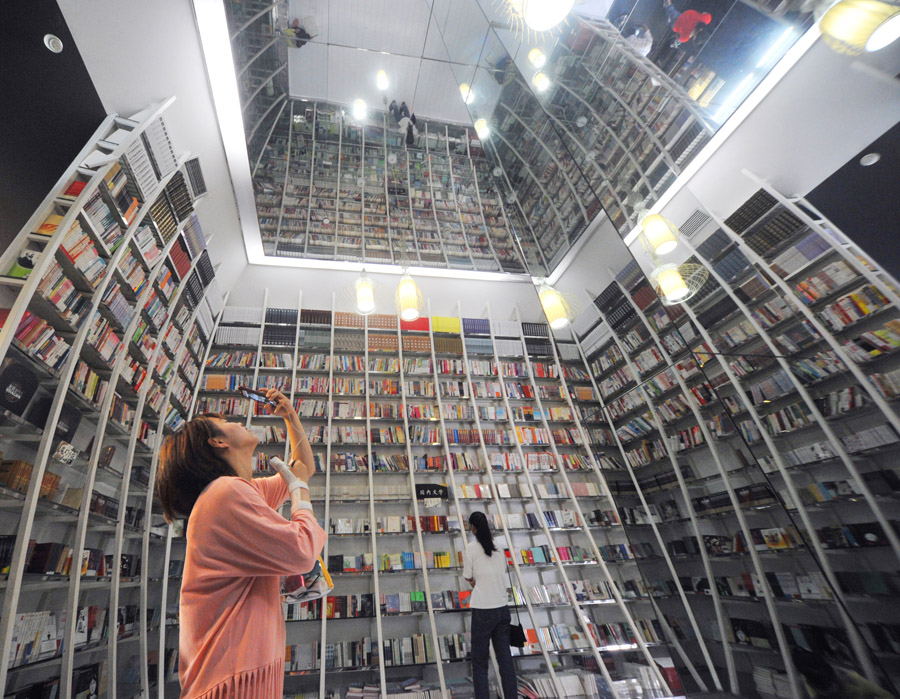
(238, 549)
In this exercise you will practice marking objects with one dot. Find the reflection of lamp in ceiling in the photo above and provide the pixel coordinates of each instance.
(359, 109)
(466, 93)
(540, 81)
(555, 306)
(408, 299)
(381, 80)
(537, 58)
(659, 235)
(482, 128)
(850, 26)
(365, 294)
(541, 15)
(675, 284)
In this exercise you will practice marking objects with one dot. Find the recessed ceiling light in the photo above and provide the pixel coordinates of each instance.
(359, 109)
(53, 42)
(869, 159)
(466, 92)
(540, 81)
(381, 80)
(482, 128)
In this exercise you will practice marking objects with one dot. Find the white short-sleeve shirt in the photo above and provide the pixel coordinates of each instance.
(490, 576)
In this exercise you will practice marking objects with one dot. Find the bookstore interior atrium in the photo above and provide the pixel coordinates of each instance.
(619, 274)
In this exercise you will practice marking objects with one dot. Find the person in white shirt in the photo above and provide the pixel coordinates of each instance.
(484, 567)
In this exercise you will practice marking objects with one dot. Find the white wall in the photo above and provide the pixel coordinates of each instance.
(318, 285)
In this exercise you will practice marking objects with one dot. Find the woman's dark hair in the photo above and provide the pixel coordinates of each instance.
(482, 532)
(187, 464)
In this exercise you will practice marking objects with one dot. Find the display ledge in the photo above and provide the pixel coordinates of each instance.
(269, 472)
(80, 651)
(454, 570)
(804, 603)
(357, 535)
(377, 501)
(782, 553)
(368, 668)
(23, 432)
(50, 511)
(384, 615)
(37, 582)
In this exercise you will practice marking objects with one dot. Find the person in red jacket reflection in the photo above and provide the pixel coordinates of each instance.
(684, 24)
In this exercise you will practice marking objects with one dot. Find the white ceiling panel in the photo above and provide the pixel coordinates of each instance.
(357, 38)
(437, 96)
(307, 74)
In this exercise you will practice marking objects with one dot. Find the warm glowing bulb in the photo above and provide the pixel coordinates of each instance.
(537, 58)
(661, 236)
(381, 80)
(482, 128)
(365, 295)
(540, 81)
(359, 109)
(887, 33)
(555, 307)
(408, 298)
(672, 284)
(541, 15)
(853, 25)
(466, 93)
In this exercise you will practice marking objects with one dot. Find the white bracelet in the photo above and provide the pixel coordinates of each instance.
(303, 505)
(299, 484)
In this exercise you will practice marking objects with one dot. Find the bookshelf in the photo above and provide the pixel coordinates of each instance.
(117, 262)
(413, 395)
(330, 188)
(757, 412)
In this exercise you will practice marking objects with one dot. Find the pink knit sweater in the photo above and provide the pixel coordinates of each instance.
(232, 625)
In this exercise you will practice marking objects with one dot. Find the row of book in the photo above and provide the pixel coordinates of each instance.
(387, 562)
(39, 635)
(409, 650)
(395, 524)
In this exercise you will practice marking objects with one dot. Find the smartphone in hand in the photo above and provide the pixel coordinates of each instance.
(254, 394)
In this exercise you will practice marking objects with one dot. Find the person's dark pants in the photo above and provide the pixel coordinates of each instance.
(491, 626)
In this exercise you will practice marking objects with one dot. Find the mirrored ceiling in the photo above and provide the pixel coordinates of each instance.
(522, 140)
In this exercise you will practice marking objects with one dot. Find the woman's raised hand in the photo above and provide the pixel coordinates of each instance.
(282, 406)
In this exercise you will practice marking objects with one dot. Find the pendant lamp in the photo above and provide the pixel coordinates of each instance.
(365, 295)
(408, 299)
(555, 306)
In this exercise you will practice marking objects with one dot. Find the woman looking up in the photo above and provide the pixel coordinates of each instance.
(238, 549)
(484, 568)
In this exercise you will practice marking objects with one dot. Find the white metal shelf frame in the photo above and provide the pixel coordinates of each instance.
(890, 416)
(156, 440)
(598, 472)
(545, 651)
(856, 641)
(415, 504)
(160, 669)
(577, 507)
(691, 512)
(768, 595)
(27, 291)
